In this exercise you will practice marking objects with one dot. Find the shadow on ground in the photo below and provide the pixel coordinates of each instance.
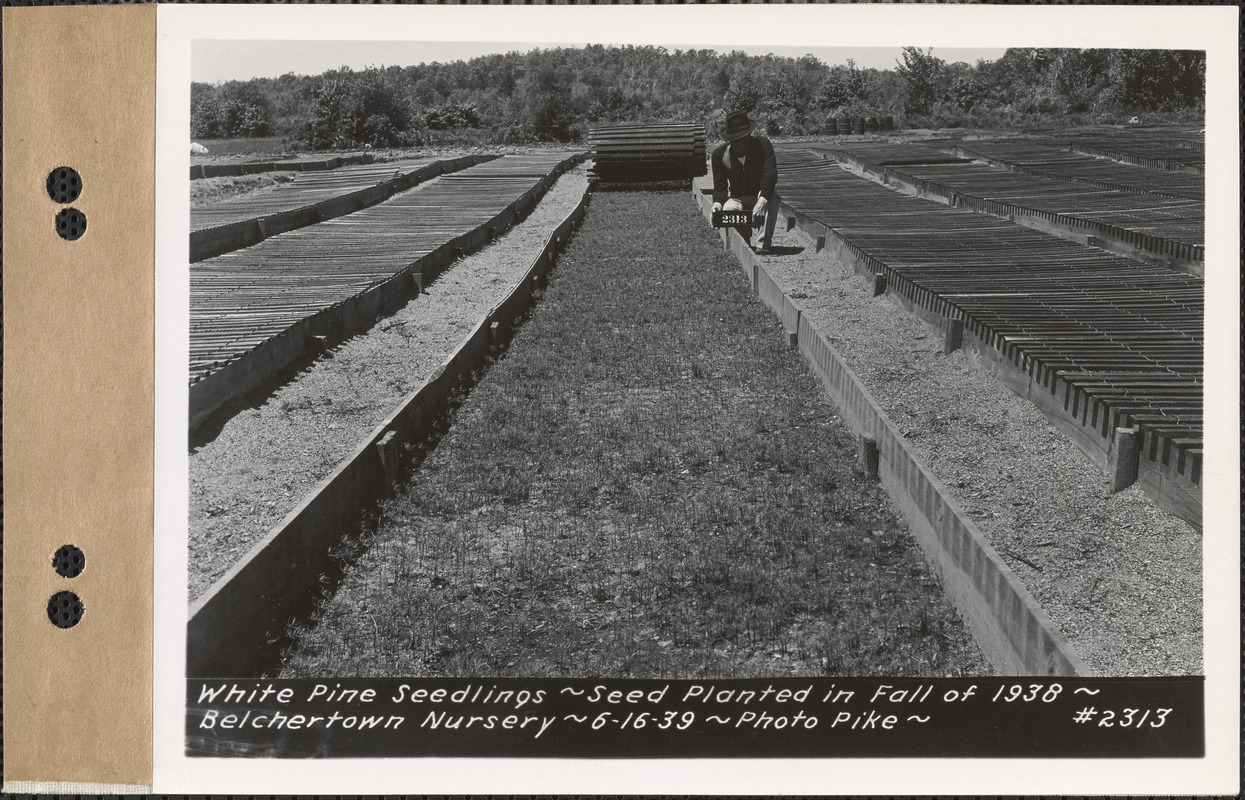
(778, 250)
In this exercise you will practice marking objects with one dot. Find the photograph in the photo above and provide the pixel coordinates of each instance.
(619, 395)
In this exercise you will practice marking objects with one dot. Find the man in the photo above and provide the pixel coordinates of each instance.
(745, 176)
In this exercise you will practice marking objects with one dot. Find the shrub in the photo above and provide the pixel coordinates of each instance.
(451, 116)
(235, 110)
(357, 108)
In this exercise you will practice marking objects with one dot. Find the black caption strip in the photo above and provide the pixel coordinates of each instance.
(1020, 717)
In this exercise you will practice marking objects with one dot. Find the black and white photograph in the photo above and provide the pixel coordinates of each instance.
(576, 391)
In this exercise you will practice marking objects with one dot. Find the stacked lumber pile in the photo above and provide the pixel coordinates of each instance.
(664, 151)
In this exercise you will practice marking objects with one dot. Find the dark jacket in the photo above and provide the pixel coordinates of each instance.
(758, 176)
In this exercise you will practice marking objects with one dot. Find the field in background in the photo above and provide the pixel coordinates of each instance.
(206, 191)
(259, 145)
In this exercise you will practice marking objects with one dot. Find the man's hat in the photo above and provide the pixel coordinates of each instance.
(737, 125)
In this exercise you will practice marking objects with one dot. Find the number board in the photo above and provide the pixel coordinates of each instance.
(729, 219)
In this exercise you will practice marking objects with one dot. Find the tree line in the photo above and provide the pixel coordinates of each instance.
(556, 95)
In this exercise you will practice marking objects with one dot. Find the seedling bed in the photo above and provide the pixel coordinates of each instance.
(248, 473)
(1121, 579)
(650, 483)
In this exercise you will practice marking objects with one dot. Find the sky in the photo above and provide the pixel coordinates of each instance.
(214, 61)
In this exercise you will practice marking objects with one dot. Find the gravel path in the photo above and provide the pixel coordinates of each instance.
(1121, 579)
(267, 458)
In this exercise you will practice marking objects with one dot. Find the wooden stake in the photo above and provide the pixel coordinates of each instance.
(1124, 455)
(879, 284)
(867, 455)
(955, 337)
(387, 449)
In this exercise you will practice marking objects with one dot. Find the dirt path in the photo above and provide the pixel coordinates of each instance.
(1121, 579)
(267, 458)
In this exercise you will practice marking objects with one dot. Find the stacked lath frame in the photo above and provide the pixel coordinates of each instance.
(648, 153)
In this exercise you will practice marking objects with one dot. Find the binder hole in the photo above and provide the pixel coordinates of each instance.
(64, 184)
(65, 609)
(68, 561)
(70, 224)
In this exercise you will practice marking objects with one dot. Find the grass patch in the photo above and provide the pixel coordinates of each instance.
(650, 484)
(206, 191)
(258, 145)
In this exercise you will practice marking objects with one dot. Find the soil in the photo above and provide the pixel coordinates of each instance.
(1120, 578)
(268, 457)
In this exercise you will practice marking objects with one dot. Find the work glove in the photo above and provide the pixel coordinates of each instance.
(758, 212)
(717, 207)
